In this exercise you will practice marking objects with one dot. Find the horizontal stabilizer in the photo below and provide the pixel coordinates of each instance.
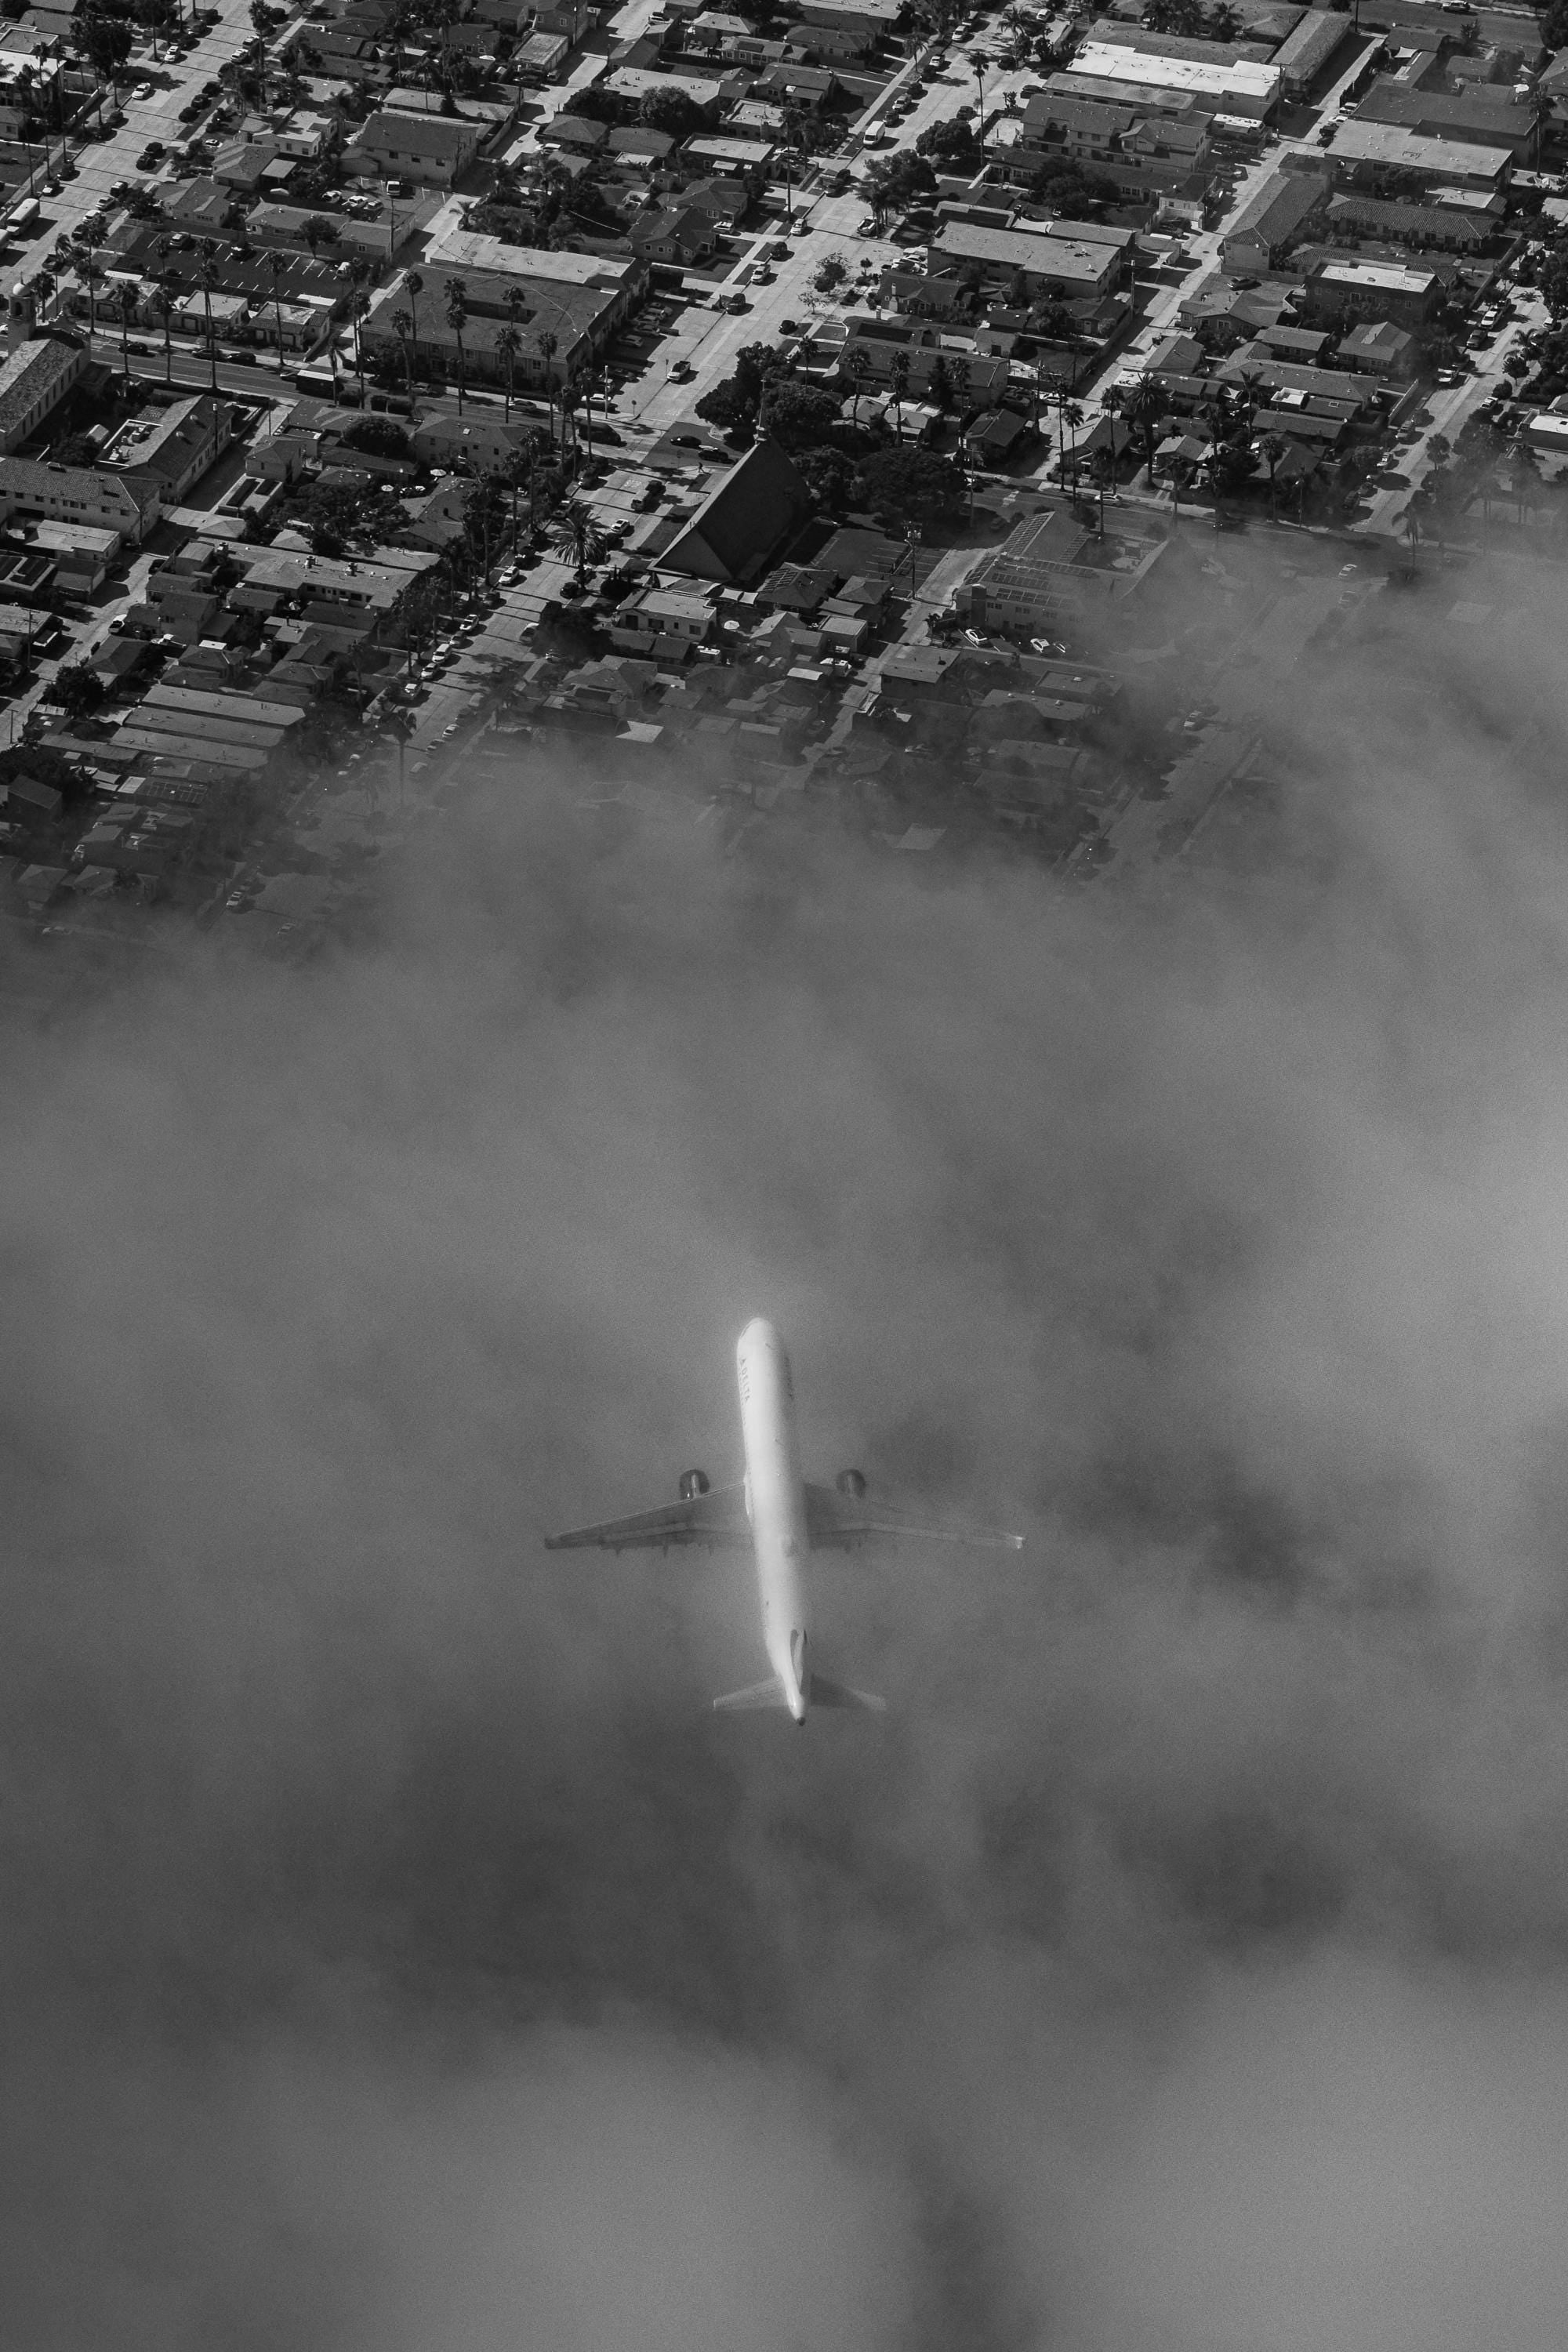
(755, 1695)
(826, 1694)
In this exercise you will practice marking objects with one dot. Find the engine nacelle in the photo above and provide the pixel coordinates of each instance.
(692, 1483)
(851, 1483)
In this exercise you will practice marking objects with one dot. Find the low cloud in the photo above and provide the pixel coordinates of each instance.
(397, 1950)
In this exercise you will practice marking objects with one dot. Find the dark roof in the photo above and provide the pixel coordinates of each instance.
(30, 371)
(433, 134)
(743, 517)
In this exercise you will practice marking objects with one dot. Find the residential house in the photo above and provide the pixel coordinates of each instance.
(879, 18)
(831, 43)
(1271, 222)
(581, 134)
(749, 161)
(1380, 349)
(682, 236)
(725, 202)
(709, 97)
(666, 623)
(429, 148)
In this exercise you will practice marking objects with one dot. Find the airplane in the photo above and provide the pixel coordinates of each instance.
(784, 1519)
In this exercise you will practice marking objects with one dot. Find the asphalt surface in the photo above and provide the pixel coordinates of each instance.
(101, 163)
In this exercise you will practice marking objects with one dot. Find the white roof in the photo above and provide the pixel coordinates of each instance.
(1388, 275)
(1107, 61)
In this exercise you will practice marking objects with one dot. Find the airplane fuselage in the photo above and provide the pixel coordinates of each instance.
(776, 1506)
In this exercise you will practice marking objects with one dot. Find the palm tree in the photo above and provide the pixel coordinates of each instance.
(88, 271)
(403, 328)
(978, 62)
(1523, 471)
(1143, 409)
(1273, 449)
(278, 264)
(522, 466)
(899, 380)
(456, 294)
(209, 269)
(1252, 384)
(576, 533)
(414, 285)
(162, 303)
(548, 346)
(127, 300)
(860, 366)
(359, 309)
(509, 342)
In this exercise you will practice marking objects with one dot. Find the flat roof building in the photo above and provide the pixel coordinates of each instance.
(1364, 151)
(1053, 257)
(1245, 87)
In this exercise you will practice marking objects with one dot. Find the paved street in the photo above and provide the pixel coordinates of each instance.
(101, 163)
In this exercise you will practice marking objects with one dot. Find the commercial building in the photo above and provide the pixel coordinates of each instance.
(1048, 569)
(1245, 87)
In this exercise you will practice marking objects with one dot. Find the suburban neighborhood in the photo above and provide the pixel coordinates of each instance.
(839, 411)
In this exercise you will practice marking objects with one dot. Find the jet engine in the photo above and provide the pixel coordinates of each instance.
(692, 1483)
(851, 1483)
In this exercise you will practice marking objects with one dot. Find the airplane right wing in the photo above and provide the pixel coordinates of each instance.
(717, 1517)
(839, 1522)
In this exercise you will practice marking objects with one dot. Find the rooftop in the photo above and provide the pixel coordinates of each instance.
(30, 372)
(1106, 63)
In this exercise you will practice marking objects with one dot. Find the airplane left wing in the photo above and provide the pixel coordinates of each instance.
(717, 1517)
(839, 1522)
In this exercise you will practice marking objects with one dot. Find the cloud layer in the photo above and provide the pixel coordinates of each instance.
(397, 1952)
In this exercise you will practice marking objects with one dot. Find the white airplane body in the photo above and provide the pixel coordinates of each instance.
(785, 1520)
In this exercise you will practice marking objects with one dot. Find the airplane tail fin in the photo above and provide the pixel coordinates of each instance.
(755, 1695)
(830, 1693)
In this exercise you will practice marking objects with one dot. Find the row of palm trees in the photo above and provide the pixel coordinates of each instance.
(508, 342)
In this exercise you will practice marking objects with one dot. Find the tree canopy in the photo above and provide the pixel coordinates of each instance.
(906, 483)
